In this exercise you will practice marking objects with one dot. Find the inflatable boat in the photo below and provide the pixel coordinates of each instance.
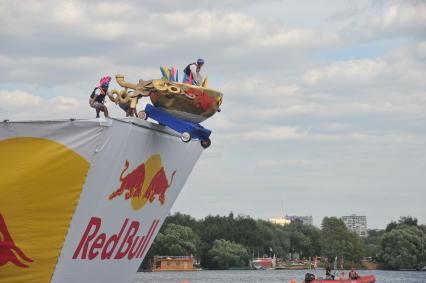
(362, 279)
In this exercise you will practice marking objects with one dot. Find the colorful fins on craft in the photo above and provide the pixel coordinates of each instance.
(173, 74)
(167, 73)
(163, 73)
(206, 82)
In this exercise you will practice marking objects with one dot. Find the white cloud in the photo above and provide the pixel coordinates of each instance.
(18, 99)
(286, 133)
(401, 16)
(274, 133)
(354, 71)
(67, 13)
(397, 71)
(273, 163)
(387, 19)
(261, 88)
(21, 105)
(63, 103)
(47, 70)
(296, 38)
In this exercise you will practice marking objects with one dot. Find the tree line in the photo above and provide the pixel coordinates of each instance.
(223, 242)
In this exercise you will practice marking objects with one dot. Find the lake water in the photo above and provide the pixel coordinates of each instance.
(270, 276)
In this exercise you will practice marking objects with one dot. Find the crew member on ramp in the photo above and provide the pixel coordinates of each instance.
(97, 98)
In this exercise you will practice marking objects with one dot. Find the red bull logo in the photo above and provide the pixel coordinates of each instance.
(9, 251)
(144, 183)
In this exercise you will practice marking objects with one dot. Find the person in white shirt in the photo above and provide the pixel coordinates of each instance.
(192, 73)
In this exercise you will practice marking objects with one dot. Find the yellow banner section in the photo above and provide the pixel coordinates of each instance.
(40, 184)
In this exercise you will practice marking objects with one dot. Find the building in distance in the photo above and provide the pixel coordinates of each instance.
(279, 221)
(356, 223)
(307, 220)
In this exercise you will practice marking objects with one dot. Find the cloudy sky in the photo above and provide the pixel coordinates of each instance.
(324, 110)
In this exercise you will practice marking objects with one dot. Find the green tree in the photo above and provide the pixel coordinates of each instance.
(225, 254)
(213, 228)
(337, 240)
(304, 239)
(243, 230)
(271, 236)
(403, 247)
(176, 240)
(183, 220)
(403, 220)
(372, 243)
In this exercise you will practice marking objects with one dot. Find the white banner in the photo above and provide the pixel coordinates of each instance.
(82, 201)
(133, 182)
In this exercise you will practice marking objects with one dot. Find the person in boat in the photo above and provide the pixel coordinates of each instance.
(192, 73)
(309, 277)
(353, 274)
(328, 274)
(97, 98)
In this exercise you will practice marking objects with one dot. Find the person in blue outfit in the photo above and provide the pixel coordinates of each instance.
(192, 73)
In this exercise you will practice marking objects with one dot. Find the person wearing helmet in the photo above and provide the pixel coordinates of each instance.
(192, 73)
(97, 98)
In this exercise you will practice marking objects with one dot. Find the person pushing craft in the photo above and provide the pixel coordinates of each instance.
(192, 73)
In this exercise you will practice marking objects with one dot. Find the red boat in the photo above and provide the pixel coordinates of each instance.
(362, 279)
(263, 263)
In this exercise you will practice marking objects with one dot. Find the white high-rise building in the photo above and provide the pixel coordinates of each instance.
(356, 223)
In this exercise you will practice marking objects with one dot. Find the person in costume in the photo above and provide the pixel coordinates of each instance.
(192, 73)
(97, 98)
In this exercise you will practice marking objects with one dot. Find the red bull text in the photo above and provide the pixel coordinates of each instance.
(126, 244)
(9, 251)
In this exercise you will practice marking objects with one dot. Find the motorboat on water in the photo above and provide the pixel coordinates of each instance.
(263, 263)
(361, 279)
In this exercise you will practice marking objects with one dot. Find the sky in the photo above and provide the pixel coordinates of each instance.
(324, 108)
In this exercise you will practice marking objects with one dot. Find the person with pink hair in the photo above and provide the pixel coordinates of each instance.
(97, 98)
